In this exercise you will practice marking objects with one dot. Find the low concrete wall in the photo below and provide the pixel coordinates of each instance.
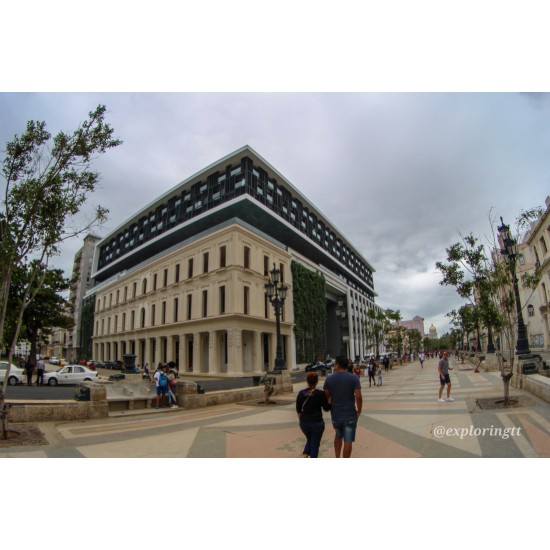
(108, 397)
(61, 410)
(537, 385)
(223, 397)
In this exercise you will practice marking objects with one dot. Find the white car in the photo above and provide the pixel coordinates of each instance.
(17, 375)
(71, 374)
(54, 361)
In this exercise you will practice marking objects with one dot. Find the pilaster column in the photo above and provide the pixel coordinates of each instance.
(234, 351)
(213, 354)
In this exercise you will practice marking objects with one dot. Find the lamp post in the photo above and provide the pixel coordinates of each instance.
(510, 252)
(276, 294)
(341, 315)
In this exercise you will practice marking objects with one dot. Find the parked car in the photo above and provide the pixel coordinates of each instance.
(54, 361)
(319, 367)
(17, 375)
(70, 374)
(113, 365)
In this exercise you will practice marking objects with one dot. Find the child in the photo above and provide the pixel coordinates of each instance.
(379, 373)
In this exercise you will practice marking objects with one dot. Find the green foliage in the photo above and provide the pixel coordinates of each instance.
(310, 311)
(46, 182)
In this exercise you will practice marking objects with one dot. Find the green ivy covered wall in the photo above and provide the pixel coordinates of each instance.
(310, 311)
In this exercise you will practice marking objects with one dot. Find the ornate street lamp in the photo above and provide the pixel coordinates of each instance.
(510, 251)
(341, 315)
(276, 294)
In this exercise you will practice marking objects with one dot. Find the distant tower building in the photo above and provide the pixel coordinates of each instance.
(432, 333)
(80, 284)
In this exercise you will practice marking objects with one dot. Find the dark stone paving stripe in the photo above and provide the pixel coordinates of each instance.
(494, 446)
(154, 430)
(424, 446)
(208, 443)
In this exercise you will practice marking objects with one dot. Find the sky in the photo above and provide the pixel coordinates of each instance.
(401, 175)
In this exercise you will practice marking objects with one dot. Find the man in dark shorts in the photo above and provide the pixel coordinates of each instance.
(343, 391)
(444, 378)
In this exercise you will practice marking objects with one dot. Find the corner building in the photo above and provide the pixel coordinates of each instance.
(183, 279)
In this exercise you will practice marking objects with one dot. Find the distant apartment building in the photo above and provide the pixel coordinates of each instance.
(535, 254)
(184, 278)
(416, 323)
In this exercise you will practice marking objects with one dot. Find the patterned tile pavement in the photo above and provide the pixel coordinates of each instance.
(400, 419)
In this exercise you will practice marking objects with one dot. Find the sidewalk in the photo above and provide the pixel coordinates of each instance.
(401, 419)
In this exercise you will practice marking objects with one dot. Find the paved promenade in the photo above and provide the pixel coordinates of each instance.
(400, 419)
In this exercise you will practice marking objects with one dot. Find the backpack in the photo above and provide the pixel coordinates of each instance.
(163, 380)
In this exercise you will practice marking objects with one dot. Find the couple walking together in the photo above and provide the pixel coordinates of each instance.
(341, 395)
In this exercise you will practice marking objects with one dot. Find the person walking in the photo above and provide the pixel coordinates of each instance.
(421, 358)
(28, 371)
(309, 405)
(343, 392)
(444, 378)
(386, 362)
(371, 370)
(379, 374)
(40, 370)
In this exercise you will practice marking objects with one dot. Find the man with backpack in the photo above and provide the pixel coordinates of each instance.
(161, 384)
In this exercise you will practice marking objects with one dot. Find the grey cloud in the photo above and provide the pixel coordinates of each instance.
(401, 175)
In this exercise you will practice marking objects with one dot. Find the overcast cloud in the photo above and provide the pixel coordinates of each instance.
(401, 175)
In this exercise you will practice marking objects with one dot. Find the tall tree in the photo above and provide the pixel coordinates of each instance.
(46, 184)
(485, 281)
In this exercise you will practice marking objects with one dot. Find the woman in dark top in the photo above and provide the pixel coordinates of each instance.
(308, 406)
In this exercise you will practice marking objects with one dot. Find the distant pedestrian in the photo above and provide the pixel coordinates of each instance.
(379, 375)
(309, 405)
(421, 358)
(172, 385)
(444, 378)
(386, 362)
(28, 371)
(40, 370)
(161, 384)
(343, 392)
(357, 369)
(371, 371)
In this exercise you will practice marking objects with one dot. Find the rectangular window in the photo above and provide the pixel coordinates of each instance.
(134, 290)
(246, 257)
(222, 300)
(246, 300)
(153, 308)
(155, 281)
(205, 303)
(132, 320)
(125, 293)
(189, 306)
(190, 268)
(177, 274)
(222, 256)
(176, 306)
(163, 313)
(282, 270)
(117, 296)
(123, 322)
(205, 262)
(165, 278)
(266, 266)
